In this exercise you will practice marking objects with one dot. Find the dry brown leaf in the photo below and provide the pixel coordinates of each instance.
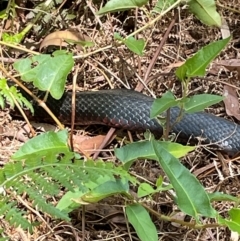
(43, 127)
(225, 29)
(171, 66)
(231, 64)
(60, 38)
(231, 101)
(87, 145)
(214, 68)
(110, 213)
(18, 134)
(178, 216)
(8, 24)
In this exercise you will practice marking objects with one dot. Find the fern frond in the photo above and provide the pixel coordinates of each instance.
(44, 180)
(41, 203)
(65, 176)
(13, 215)
(10, 94)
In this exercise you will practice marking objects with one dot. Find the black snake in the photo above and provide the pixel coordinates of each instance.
(130, 110)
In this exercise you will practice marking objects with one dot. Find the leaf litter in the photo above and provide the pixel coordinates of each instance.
(180, 45)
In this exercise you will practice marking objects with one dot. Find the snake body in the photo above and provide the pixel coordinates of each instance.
(130, 110)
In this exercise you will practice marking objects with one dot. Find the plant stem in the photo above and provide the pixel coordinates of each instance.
(192, 225)
(155, 19)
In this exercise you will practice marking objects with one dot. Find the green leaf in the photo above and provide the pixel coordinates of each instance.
(159, 181)
(12, 38)
(84, 44)
(67, 202)
(135, 45)
(71, 200)
(196, 65)
(116, 5)
(2, 102)
(3, 14)
(28, 67)
(200, 102)
(20, 98)
(191, 196)
(163, 5)
(3, 83)
(162, 104)
(145, 189)
(181, 71)
(144, 149)
(234, 214)
(106, 189)
(234, 226)
(218, 196)
(234, 222)
(47, 73)
(142, 223)
(205, 10)
(10, 94)
(5, 92)
(117, 36)
(176, 149)
(46, 174)
(4, 239)
(47, 145)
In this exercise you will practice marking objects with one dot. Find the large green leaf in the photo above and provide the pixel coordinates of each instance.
(47, 145)
(205, 10)
(144, 149)
(191, 196)
(200, 102)
(162, 104)
(196, 65)
(46, 72)
(142, 223)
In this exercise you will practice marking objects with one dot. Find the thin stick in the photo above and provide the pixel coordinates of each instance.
(154, 59)
(73, 105)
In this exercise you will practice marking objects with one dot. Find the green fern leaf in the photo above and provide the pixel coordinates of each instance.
(15, 218)
(41, 203)
(77, 177)
(63, 175)
(43, 183)
(5, 206)
(6, 94)
(21, 99)
(11, 93)
(13, 215)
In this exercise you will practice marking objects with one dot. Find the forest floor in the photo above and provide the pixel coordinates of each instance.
(187, 35)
